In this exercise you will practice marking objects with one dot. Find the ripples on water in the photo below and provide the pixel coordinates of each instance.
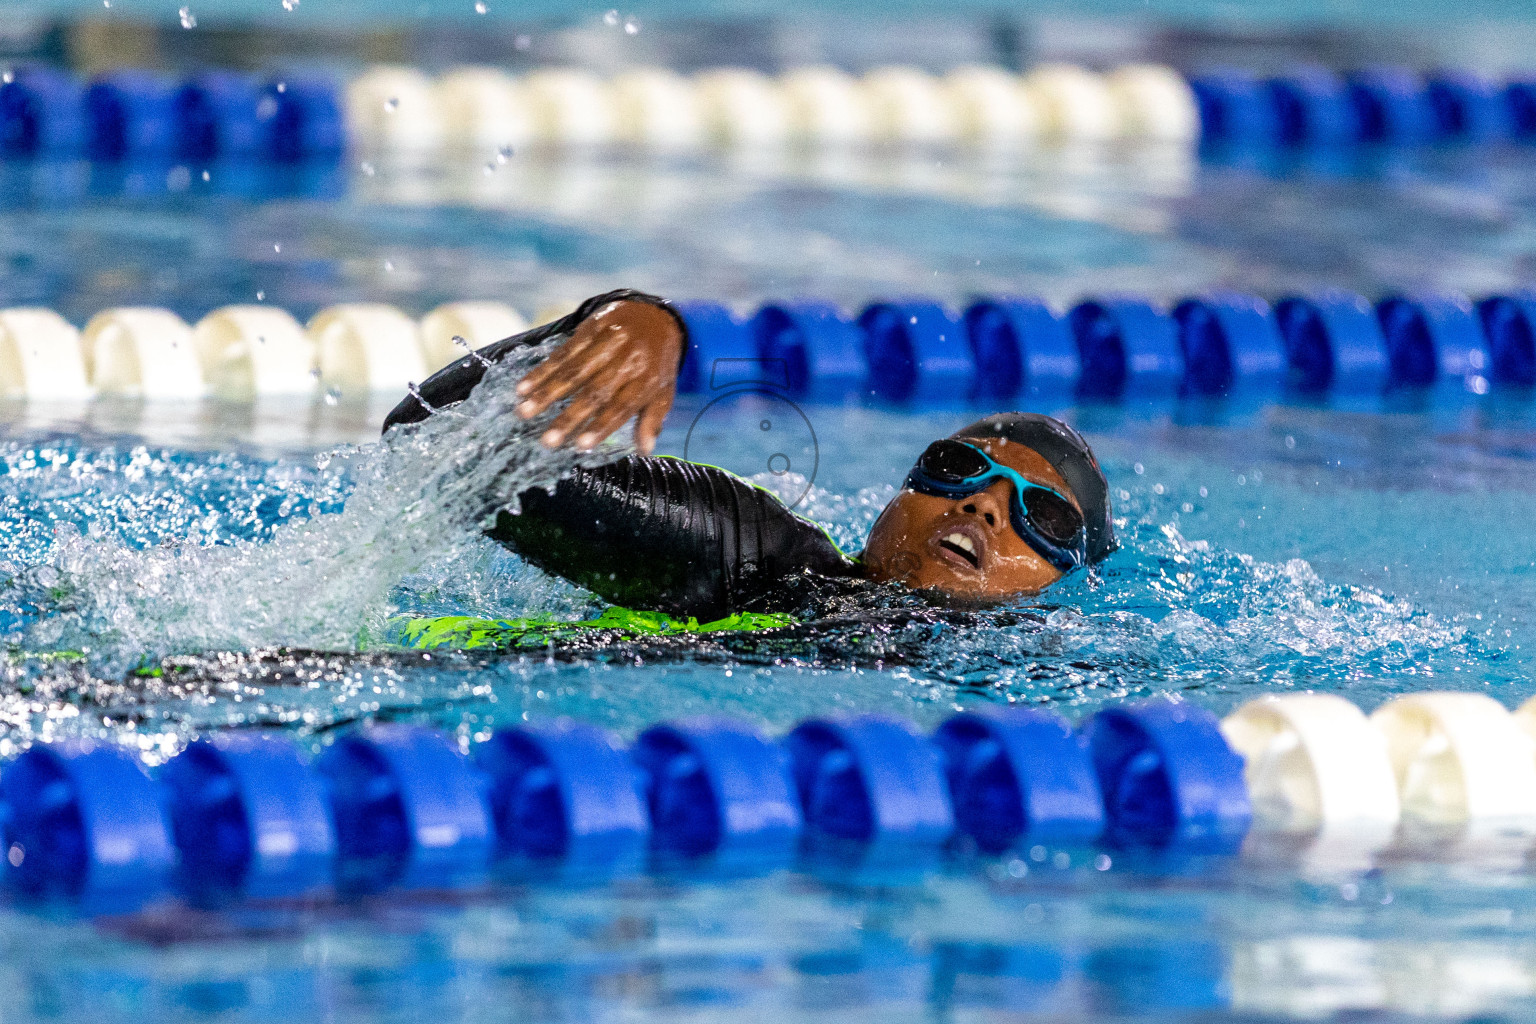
(210, 561)
(131, 554)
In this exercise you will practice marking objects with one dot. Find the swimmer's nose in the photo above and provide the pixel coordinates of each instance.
(987, 508)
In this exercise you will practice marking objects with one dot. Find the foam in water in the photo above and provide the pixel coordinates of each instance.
(421, 495)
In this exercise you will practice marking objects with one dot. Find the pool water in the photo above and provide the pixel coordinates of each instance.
(1370, 547)
(1370, 553)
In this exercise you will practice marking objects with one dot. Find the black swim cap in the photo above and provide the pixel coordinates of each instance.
(1065, 449)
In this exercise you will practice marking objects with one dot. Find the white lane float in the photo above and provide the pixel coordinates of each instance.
(1461, 758)
(827, 108)
(251, 352)
(394, 110)
(41, 357)
(657, 110)
(993, 109)
(1077, 104)
(909, 108)
(1154, 102)
(451, 331)
(142, 352)
(485, 112)
(1314, 761)
(571, 108)
(742, 109)
(366, 347)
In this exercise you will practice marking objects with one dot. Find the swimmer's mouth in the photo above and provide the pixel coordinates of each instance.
(961, 545)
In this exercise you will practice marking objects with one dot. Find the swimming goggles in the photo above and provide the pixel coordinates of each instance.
(1046, 521)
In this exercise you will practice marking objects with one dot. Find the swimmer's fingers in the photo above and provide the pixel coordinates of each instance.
(613, 416)
(565, 370)
(588, 404)
(648, 427)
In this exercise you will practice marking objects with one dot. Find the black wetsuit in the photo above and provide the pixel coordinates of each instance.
(652, 532)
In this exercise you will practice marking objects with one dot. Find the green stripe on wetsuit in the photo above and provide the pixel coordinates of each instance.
(465, 633)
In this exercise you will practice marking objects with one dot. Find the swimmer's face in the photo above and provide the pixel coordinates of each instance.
(965, 547)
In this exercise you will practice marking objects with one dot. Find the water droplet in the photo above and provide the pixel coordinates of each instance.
(261, 296)
(332, 396)
(207, 176)
(503, 154)
(314, 373)
(277, 247)
(8, 77)
(389, 267)
(631, 26)
(290, 5)
(461, 341)
(523, 42)
(611, 18)
(366, 168)
(106, 3)
(480, 7)
(392, 104)
(490, 169)
(282, 86)
(188, 20)
(261, 339)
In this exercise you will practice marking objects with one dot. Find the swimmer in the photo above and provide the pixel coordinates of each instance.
(1002, 508)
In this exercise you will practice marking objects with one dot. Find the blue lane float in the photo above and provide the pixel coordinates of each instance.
(1023, 346)
(131, 115)
(1333, 342)
(1520, 98)
(1231, 343)
(1435, 340)
(1235, 109)
(821, 350)
(1312, 107)
(720, 350)
(1392, 107)
(1509, 324)
(218, 115)
(1117, 348)
(302, 120)
(1129, 349)
(916, 350)
(1168, 777)
(869, 781)
(42, 114)
(564, 793)
(249, 819)
(83, 823)
(716, 787)
(1469, 108)
(1020, 775)
(408, 809)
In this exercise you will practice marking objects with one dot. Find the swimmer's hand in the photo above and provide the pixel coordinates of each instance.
(619, 362)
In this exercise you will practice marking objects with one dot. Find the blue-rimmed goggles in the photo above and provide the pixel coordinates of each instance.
(1049, 523)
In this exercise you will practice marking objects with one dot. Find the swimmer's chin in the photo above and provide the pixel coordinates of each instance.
(964, 598)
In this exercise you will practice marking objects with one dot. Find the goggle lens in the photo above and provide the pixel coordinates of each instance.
(952, 461)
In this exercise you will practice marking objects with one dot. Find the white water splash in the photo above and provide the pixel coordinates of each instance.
(422, 496)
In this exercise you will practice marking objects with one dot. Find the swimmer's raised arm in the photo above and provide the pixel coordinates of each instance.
(621, 359)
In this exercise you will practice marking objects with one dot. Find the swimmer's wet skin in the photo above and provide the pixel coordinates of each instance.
(1004, 508)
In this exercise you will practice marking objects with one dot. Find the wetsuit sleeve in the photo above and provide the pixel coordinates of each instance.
(454, 382)
(673, 536)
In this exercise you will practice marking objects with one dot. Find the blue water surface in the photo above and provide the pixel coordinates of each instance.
(1373, 547)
